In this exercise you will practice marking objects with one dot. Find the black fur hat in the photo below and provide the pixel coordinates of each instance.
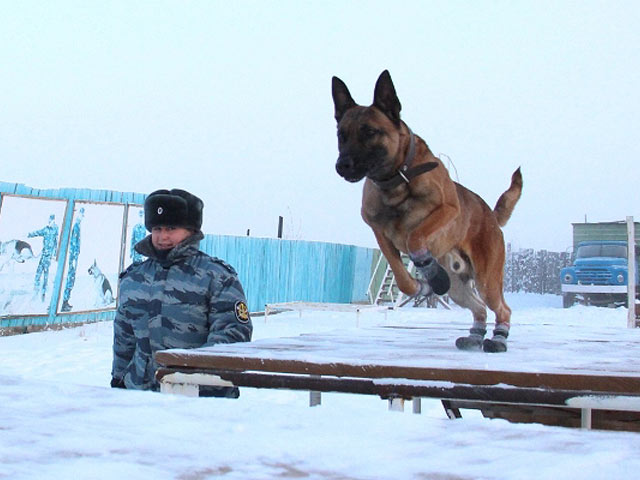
(173, 208)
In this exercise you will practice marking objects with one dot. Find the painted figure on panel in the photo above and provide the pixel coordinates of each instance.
(74, 252)
(139, 232)
(49, 234)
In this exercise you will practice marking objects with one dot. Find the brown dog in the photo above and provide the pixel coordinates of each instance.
(413, 206)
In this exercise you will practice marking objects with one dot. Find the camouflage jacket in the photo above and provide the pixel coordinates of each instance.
(49, 234)
(187, 300)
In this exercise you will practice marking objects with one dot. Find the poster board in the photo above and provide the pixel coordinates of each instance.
(93, 258)
(30, 234)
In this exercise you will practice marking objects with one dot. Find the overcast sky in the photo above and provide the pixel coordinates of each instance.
(232, 101)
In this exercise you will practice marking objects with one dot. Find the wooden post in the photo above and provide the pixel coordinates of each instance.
(631, 273)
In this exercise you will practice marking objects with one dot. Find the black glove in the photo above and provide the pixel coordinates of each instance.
(117, 383)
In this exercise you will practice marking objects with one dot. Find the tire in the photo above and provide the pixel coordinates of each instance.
(568, 300)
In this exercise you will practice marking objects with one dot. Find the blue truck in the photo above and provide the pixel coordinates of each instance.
(599, 270)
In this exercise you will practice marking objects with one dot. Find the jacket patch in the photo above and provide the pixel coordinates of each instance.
(242, 312)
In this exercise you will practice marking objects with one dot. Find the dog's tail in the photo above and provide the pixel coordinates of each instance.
(507, 201)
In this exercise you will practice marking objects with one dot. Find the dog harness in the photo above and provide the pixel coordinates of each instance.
(406, 173)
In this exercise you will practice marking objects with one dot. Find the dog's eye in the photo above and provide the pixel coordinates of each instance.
(368, 132)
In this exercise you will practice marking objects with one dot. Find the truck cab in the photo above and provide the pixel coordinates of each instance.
(598, 275)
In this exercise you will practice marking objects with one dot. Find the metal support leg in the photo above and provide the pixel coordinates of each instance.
(315, 398)
(451, 411)
(417, 405)
(396, 404)
(585, 418)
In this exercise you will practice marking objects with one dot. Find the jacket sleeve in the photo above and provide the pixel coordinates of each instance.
(36, 233)
(229, 319)
(124, 343)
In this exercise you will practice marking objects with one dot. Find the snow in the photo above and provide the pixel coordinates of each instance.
(60, 420)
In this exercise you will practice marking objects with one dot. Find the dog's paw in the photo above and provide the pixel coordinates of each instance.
(472, 342)
(497, 344)
(424, 289)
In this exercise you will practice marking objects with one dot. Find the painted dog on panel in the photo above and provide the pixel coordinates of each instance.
(452, 236)
(104, 293)
(15, 250)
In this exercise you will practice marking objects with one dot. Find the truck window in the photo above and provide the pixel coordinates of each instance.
(616, 251)
(587, 251)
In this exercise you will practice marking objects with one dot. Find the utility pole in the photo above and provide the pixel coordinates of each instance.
(631, 273)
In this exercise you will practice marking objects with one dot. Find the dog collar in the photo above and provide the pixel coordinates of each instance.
(406, 173)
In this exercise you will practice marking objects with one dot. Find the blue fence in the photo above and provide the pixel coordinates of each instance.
(271, 270)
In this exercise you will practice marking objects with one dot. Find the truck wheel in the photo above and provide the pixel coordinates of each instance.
(568, 300)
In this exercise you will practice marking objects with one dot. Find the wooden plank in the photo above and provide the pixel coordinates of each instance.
(556, 416)
(315, 355)
(568, 381)
(594, 351)
(390, 388)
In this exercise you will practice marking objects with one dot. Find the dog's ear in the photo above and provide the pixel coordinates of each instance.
(385, 98)
(342, 99)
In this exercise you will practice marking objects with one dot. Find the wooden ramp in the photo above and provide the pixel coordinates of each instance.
(541, 379)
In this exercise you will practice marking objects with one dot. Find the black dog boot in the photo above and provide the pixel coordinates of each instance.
(473, 341)
(498, 343)
(436, 276)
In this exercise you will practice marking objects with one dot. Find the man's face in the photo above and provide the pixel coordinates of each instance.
(165, 238)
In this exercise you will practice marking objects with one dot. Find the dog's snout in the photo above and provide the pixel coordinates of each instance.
(349, 168)
(345, 166)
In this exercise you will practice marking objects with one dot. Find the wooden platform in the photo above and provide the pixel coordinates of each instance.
(598, 370)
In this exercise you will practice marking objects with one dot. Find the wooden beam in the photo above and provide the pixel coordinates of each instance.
(397, 388)
(562, 381)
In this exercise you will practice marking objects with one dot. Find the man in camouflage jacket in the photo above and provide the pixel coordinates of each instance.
(179, 297)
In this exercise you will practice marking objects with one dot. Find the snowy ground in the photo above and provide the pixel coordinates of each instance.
(59, 419)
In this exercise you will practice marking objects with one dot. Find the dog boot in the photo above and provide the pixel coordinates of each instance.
(473, 341)
(66, 307)
(498, 343)
(436, 276)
